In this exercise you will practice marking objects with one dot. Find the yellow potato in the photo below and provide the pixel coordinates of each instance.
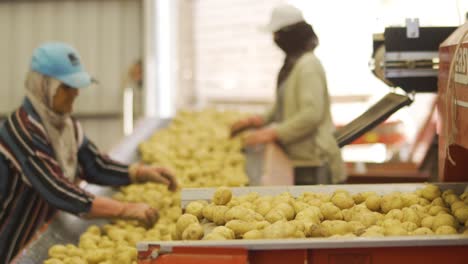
(443, 220)
(373, 202)
(395, 231)
(422, 231)
(195, 208)
(184, 221)
(431, 192)
(222, 196)
(253, 234)
(391, 201)
(331, 212)
(219, 212)
(224, 231)
(53, 261)
(342, 200)
(462, 214)
(395, 214)
(240, 227)
(446, 230)
(193, 232)
(362, 197)
(58, 251)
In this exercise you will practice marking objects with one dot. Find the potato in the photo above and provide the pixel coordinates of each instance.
(395, 214)
(362, 197)
(253, 234)
(96, 256)
(75, 260)
(391, 201)
(422, 231)
(263, 207)
(342, 200)
(310, 214)
(314, 230)
(395, 231)
(446, 230)
(331, 212)
(240, 227)
(53, 261)
(242, 213)
(366, 218)
(58, 251)
(314, 202)
(280, 229)
(443, 220)
(451, 198)
(447, 192)
(208, 212)
(456, 205)
(193, 232)
(300, 225)
(427, 221)
(409, 199)
(431, 192)
(373, 202)
(214, 236)
(435, 210)
(410, 215)
(335, 227)
(224, 231)
(357, 227)
(390, 222)
(219, 212)
(287, 210)
(438, 201)
(371, 234)
(462, 214)
(222, 196)
(376, 228)
(183, 222)
(94, 229)
(409, 226)
(195, 208)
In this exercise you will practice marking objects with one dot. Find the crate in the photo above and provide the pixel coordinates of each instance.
(404, 249)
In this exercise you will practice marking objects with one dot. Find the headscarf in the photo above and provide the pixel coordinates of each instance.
(40, 90)
(294, 40)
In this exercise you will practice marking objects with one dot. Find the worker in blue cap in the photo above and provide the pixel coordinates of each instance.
(44, 152)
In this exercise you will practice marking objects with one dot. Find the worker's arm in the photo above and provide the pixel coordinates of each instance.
(4, 178)
(100, 169)
(268, 116)
(310, 96)
(103, 207)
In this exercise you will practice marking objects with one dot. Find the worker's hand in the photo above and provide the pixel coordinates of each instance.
(250, 122)
(144, 173)
(261, 136)
(141, 212)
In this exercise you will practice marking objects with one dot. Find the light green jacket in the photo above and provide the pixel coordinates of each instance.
(306, 131)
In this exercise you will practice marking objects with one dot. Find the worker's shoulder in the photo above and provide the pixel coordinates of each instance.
(309, 59)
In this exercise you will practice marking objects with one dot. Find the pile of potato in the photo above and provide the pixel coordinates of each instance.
(197, 146)
(115, 243)
(251, 216)
(340, 214)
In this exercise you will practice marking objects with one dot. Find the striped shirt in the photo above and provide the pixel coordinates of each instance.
(32, 184)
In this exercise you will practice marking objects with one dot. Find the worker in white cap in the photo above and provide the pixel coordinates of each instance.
(300, 119)
(44, 153)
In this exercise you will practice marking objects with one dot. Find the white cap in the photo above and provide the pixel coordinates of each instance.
(283, 16)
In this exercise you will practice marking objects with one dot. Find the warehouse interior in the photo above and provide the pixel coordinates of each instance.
(170, 81)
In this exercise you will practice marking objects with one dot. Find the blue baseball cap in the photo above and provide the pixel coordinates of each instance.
(62, 62)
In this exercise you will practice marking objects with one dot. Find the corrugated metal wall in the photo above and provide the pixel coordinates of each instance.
(107, 33)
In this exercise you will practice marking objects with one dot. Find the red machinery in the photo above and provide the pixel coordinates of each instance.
(453, 107)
